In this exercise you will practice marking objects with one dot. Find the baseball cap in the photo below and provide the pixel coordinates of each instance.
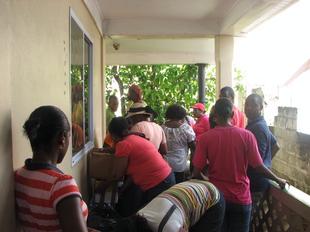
(199, 106)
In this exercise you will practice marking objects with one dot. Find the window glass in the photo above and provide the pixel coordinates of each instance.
(81, 71)
(87, 53)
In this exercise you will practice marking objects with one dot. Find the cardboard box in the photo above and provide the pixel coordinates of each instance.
(105, 166)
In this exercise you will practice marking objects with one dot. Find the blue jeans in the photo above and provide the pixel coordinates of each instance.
(213, 218)
(237, 217)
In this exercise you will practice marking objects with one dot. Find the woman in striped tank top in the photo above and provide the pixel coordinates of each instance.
(46, 198)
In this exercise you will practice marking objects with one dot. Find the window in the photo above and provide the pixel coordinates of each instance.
(81, 90)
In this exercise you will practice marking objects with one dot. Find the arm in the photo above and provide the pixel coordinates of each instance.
(256, 163)
(107, 149)
(262, 140)
(92, 230)
(192, 147)
(70, 215)
(163, 149)
(200, 158)
(265, 172)
(275, 148)
(196, 173)
(127, 182)
(191, 138)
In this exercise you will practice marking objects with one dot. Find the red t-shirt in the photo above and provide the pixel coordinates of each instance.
(146, 166)
(202, 125)
(238, 119)
(228, 151)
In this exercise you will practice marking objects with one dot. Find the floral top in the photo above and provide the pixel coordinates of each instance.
(177, 143)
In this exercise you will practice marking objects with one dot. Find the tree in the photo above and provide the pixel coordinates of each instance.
(239, 87)
(162, 85)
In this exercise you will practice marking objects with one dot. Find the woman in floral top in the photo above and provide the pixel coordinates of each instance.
(180, 138)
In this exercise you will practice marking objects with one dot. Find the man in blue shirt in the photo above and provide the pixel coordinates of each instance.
(266, 142)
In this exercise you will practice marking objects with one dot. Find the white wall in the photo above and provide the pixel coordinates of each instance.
(34, 64)
(7, 220)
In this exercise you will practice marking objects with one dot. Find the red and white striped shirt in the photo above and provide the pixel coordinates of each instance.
(37, 193)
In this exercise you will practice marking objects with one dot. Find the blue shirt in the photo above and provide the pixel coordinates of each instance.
(265, 142)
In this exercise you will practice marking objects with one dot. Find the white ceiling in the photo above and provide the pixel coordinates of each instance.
(160, 51)
(166, 9)
(177, 26)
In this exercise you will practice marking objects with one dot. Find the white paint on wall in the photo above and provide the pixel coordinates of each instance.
(7, 215)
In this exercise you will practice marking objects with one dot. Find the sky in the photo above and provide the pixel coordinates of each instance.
(272, 52)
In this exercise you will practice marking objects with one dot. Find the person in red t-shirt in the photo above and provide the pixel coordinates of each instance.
(238, 118)
(202, 124)
(148, 173)
(228, 151)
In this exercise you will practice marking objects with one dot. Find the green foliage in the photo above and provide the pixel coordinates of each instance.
(109, 88)
(239, 85)
(210, 86)
(163, 85)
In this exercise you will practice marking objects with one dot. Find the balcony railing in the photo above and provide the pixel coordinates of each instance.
(282, 211)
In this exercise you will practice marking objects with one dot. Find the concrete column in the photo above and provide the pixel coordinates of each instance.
(201, 83)
(224, 50)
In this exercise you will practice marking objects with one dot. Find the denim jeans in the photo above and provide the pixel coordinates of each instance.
(212, 220)
(237, 217)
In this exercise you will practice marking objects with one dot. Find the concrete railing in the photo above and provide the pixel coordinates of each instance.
(282, 210)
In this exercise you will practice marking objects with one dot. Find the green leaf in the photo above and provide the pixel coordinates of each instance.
(163, 85)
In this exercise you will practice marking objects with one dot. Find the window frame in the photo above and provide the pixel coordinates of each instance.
(76, 157)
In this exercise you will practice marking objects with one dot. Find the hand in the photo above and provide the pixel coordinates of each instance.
(204, 176)
(190, 177)
(92, 230)
(122, 189)
(282, 182)
(106, 150)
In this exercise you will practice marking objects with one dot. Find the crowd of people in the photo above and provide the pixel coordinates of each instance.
(183, 175)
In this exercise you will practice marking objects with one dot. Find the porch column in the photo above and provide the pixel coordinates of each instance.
(201, 83)
(224, 50)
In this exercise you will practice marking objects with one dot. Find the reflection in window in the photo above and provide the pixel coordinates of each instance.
(87, 47)
(81, 67)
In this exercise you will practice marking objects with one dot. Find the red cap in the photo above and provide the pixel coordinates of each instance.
(199, 106)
